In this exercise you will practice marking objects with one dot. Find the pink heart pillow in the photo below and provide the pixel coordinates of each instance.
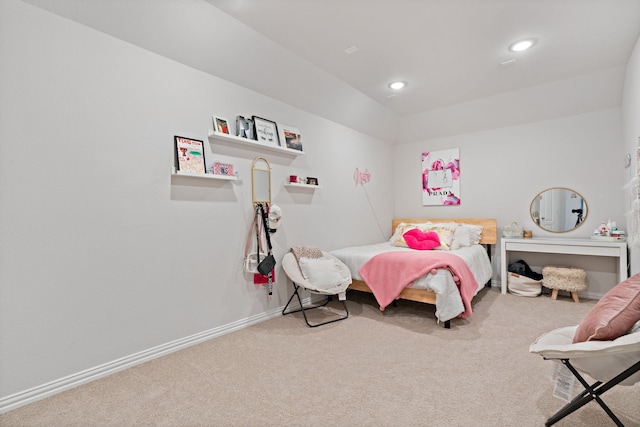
(418, 239)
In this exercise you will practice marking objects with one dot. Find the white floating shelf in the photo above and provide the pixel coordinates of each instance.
(293, 184)
(204, 176)
(252, 143)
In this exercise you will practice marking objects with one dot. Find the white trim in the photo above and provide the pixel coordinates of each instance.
(45, 390)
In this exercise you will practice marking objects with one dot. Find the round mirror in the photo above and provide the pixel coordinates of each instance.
(558, 210)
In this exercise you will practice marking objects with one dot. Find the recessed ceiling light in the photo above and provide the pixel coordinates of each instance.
(522, 45)
(397, 85)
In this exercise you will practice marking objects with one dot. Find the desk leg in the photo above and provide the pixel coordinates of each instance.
(503, 267)
(623, 274)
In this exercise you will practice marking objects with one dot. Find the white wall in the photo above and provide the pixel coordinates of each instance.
(631, 143)
(103, 254)
(586, 93)
(230, 50)
(503, 169)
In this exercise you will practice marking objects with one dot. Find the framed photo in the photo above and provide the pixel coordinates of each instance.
(220, 125)
(291, 137)
(265, 131)
(223, 169)
(312, 181)
(244, 127)
(189, 155)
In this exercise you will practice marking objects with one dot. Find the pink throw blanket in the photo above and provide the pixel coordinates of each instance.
(387, 274)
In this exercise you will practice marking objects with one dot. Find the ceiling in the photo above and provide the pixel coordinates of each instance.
(448, 51)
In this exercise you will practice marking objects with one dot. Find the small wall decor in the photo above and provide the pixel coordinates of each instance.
(312, 181)
(244, 127)
(223, 169)
(220, 125)
(361, 177)
(441, 177)
(290, 136)
(266, 131)
(189, 155)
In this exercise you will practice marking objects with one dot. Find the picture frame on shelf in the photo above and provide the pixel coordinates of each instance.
(223, 169)
(189, 155)
(312, 181)
(266, 131)
(290, 137)
(244, 127)
(221, 125)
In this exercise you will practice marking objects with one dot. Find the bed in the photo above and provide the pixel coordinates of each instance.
(445, 287)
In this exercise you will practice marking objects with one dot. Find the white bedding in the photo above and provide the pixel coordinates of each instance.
(448, 301)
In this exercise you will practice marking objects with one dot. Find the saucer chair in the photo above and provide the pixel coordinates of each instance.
(324, 276)
(605, 346)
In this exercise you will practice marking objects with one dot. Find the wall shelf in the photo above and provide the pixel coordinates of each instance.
(213, 135)
(204, 175)
(293, 184)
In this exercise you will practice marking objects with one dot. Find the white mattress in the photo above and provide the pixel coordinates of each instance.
(448, 301)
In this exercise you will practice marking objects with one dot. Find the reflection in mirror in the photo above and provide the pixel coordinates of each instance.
(261, 180)
(558, 210)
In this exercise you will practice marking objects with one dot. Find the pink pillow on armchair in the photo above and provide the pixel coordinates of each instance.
(613, 315)
(418, 239)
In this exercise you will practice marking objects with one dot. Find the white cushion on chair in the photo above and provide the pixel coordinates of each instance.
(602, 360)
(329, 276)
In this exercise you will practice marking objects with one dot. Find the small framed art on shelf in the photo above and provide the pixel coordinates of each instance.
(266, 131)
(291, 137)
(220, 125)
(189, 155)
(223, 169)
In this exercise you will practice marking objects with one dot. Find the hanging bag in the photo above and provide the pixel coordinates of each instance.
(252, 259)
(269, 262)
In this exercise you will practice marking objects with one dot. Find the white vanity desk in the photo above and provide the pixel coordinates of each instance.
(591, 247)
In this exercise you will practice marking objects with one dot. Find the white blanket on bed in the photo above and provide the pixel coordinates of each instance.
(448, 301)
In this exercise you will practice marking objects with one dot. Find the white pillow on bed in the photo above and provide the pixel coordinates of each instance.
(466, 235)
(463, 234)
(402, 228)
(445, 233)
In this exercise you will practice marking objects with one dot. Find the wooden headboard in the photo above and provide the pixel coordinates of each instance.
(489, 226)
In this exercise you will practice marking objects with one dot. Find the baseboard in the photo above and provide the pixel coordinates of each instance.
(40, 392)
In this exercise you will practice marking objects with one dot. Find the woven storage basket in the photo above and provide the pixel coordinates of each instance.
(564, 278)
(523, 286)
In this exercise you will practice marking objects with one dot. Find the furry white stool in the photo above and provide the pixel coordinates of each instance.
(564, 279)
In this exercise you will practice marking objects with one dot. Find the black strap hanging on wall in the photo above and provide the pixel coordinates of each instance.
(268, 264)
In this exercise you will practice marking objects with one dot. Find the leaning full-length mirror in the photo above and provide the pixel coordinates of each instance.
(558, 209)
(261, 180)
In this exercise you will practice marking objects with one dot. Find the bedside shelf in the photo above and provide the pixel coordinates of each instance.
(251, 143)
(204, 176)
(293, 184)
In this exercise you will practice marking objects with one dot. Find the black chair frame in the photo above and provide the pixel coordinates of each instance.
(303, 309)
(592, 392)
